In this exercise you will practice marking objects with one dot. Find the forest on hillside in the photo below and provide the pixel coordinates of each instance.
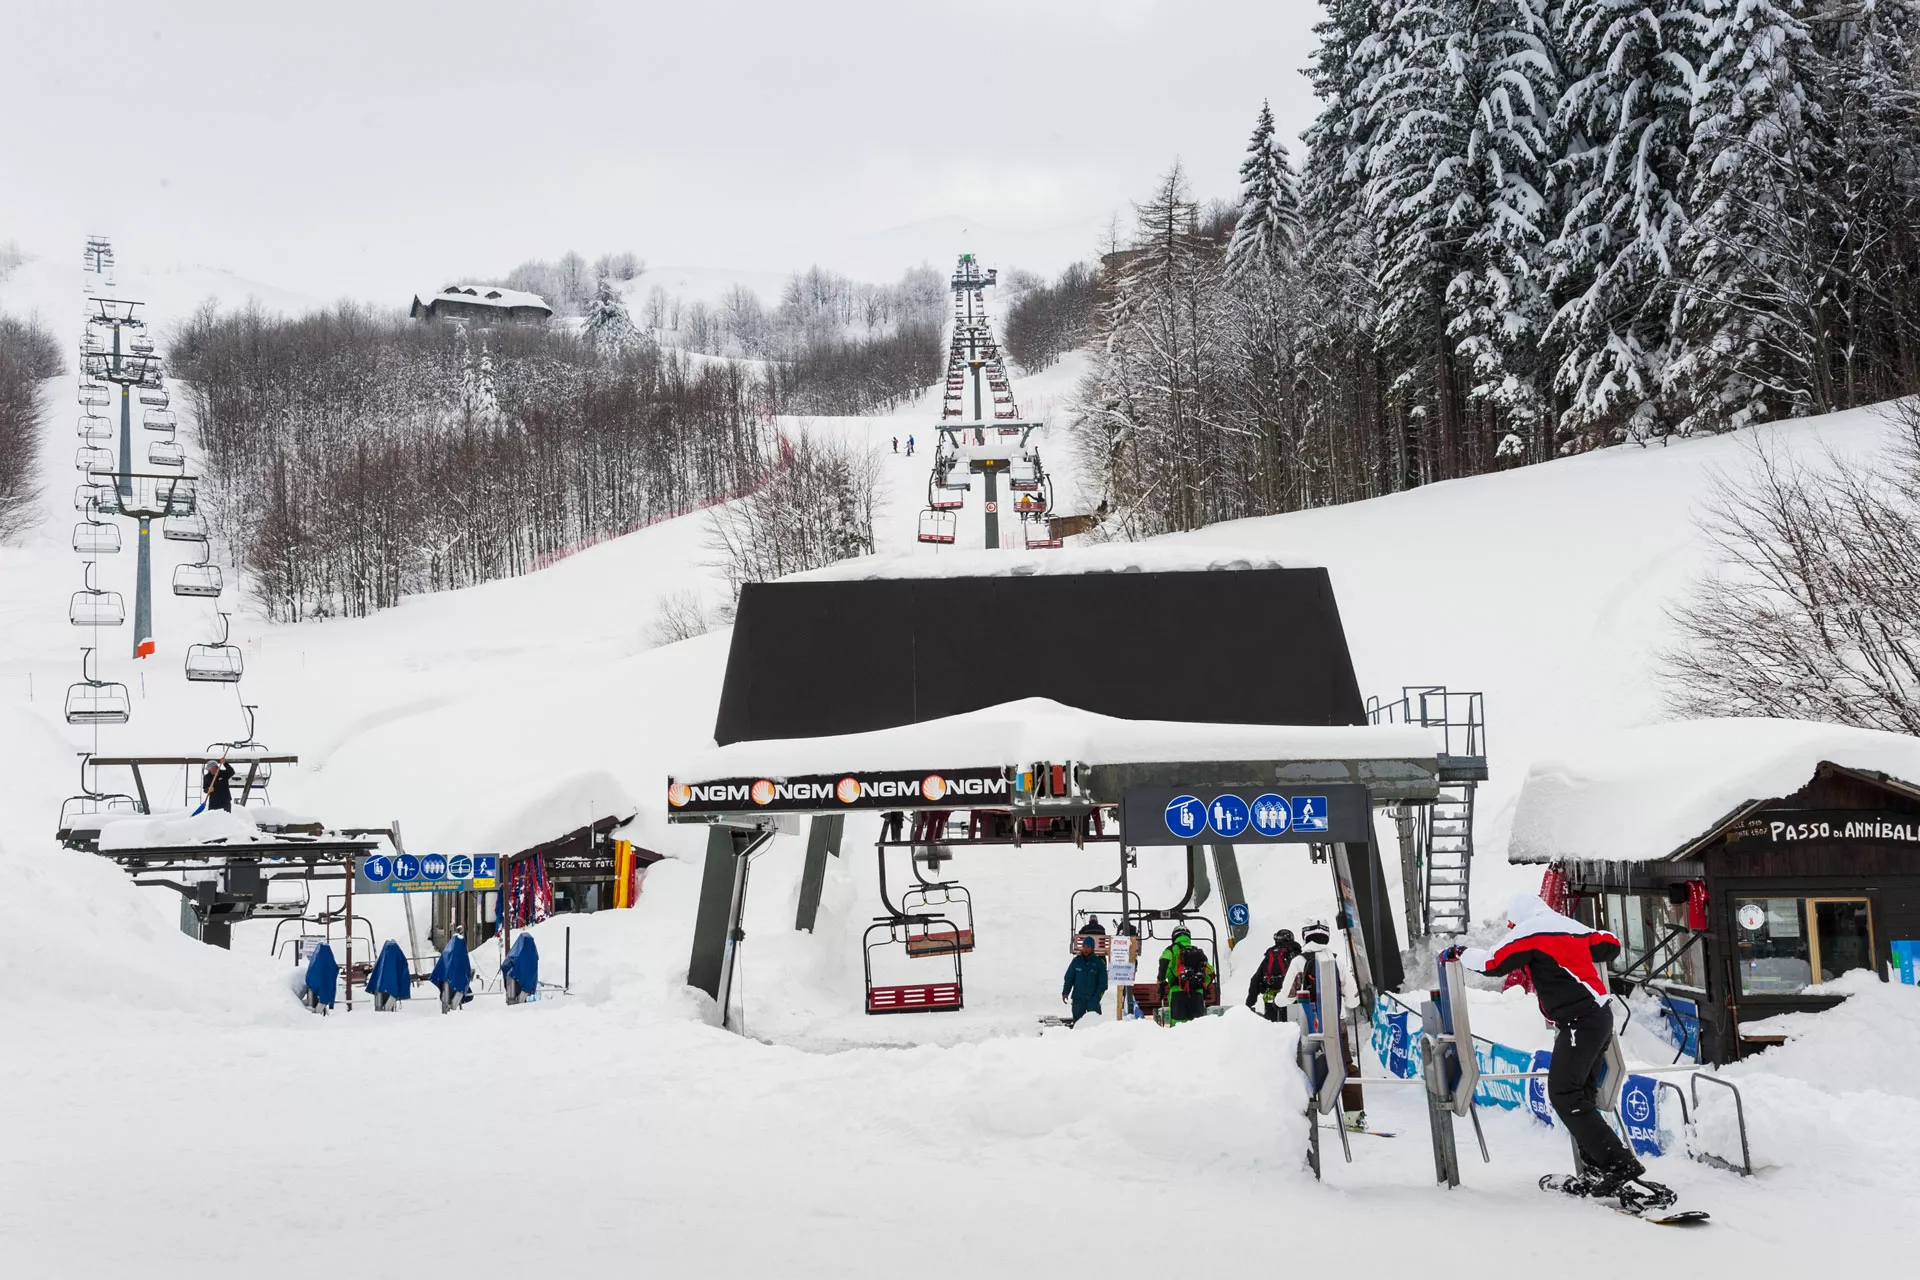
(1520, 228)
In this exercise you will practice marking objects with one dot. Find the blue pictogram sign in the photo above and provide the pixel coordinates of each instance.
(1309, 813)
(460, 867)
(406, 867)
(1227, 815)
(1238, 917)
(1271, 815)
(434, 866)
(379, 867)
(1186, 816)
(486, 866)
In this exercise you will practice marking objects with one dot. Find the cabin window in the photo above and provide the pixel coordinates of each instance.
(1788, 944)
(1626, 920)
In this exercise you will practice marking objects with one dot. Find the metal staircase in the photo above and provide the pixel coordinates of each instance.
(1437, 852)
(1449, 856)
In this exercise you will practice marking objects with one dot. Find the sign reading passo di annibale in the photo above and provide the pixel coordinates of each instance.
(1774, 828)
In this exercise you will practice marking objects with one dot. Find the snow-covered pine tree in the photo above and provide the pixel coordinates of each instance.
(1509, 82)
(1747, 317)
(1267, 236)
(1416, 177)
(605, 320)
(1624, 129)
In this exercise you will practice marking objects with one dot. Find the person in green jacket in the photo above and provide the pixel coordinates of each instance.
(1086, 980)
(1185, 976)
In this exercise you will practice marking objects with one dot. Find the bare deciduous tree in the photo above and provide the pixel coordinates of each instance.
(1814, 610)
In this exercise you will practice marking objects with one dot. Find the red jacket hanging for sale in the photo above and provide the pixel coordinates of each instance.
(1563, 957)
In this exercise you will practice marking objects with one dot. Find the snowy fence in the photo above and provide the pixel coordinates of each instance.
(1396, 1042)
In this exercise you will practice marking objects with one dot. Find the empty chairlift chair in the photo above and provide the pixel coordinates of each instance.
(191, 527)
(158, 420)
(220, 663)
(92, 458)
(936, 526)
(95, 395)
(95, 427)
(201, 579)
(155, 397)
(95, 608)
(90, 538)
(96, 499)
(98, 702)
(165, 453)
(179, 497)
(917, 997)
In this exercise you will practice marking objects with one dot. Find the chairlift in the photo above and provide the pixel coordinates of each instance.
(201, 579)
(179, 498)
(1085, 904)
(158, 420)
(90, 458)
(188, 527)
(215, 664)
(96, 499)
(95, 427)
(95, 394)
(92, 538)
(936, 526)
(941, 498)
(140, 346)
(155, 396)
(1043, 542)
(920, 997)
(95, 701)
(950, 909)
(96, 608)
(165, 453)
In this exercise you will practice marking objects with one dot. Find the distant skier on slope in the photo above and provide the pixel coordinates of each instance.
(1086, 980)
(896, 444)
(909, 446)
(1269, 976)
(1185, 975)
(1563, 958)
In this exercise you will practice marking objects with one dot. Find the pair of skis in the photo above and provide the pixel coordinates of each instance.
(1648, 1201)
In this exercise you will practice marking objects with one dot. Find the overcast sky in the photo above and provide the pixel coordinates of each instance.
(364, 149)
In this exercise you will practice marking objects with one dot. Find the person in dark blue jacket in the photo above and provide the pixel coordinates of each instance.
(1086, 980)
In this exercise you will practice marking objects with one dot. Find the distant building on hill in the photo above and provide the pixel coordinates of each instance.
(486, 303)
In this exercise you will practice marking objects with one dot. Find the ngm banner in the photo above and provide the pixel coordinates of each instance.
(827, 792)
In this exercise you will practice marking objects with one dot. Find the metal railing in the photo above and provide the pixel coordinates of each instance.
(1460, 716)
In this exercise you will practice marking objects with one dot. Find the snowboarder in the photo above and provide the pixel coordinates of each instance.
(1269, 976)
(1299, 984)
(1086, 980)
(1185, 975)
(216, 785)
(1563, 958)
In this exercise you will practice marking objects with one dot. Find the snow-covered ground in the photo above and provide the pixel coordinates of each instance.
(178, 1093)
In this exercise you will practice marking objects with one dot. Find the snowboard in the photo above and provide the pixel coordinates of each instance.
(1648, 1201)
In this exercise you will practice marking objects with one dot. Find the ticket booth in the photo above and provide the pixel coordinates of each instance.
(1749, 918)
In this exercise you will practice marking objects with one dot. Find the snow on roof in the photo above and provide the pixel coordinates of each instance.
(484, 295)
(173, 830)
(1640, 794)
(1110, 557)
(1033, 729)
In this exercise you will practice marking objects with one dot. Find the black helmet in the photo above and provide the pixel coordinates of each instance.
(1284, 935)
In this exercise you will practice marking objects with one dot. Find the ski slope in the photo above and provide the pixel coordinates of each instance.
(180, 1090)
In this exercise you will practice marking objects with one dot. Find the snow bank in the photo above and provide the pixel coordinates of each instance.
(1033, 729)
(165, 830)
(1110, 557)
(1643, 793)
(1840, 1100)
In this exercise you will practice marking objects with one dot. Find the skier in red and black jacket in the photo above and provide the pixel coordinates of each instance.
(1566, 959)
